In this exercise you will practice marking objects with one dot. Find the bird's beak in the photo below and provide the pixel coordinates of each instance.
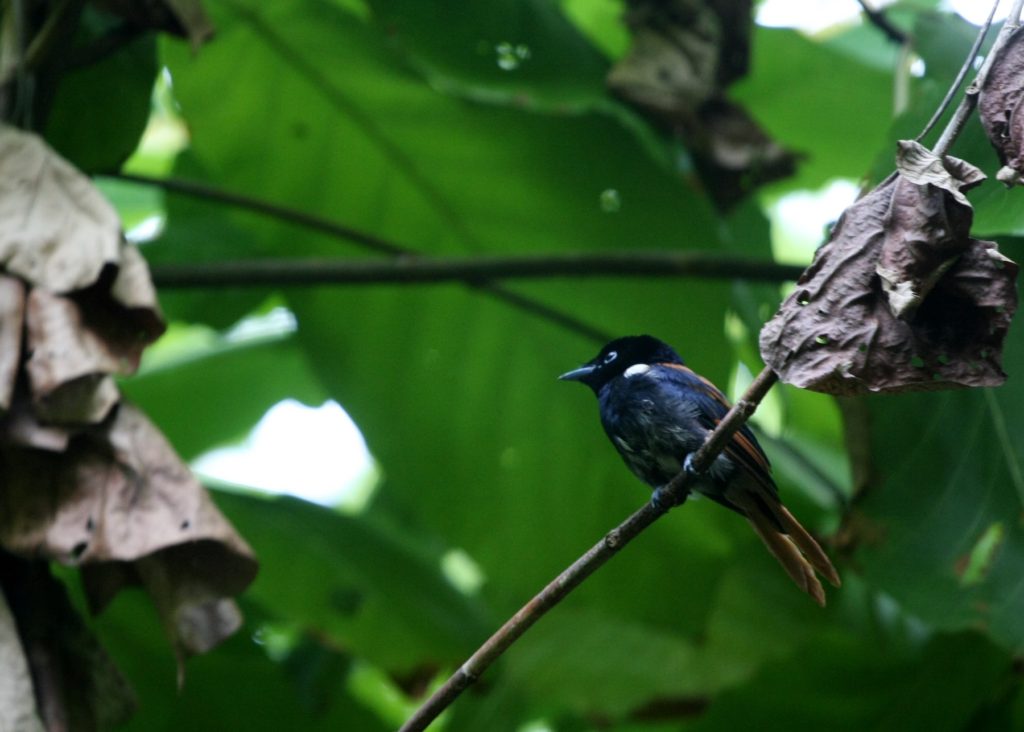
(578, 374)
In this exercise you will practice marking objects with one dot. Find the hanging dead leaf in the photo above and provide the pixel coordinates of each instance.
(924, 231)
(56, 230)
(900, 297)
(683, 56)
(12, 319)
(17, 702)
(999, 106)
(70, 363)
(121, 501)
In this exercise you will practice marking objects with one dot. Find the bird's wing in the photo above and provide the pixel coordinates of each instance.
(743, 447)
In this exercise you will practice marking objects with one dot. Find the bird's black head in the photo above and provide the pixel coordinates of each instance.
(618, 356)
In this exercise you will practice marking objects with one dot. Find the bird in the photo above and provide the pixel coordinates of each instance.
(657, 412)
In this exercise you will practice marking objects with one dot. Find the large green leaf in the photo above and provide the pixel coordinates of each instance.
(425, 372)
(100, 109)
(218, 391)
(818, 101)
(373, 589)
(840, 682)
(236, 687)
(924, 517)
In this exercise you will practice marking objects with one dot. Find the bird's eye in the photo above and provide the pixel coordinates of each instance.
(612, 355)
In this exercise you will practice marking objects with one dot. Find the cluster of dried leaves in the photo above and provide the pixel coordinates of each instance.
(684, 55)
(87, 480)
(901, 297)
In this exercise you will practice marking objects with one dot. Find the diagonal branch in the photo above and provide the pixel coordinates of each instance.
(673, 493)
(471, 270)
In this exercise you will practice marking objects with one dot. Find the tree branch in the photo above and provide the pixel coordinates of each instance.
(881, 21)
(205, 192)
(970, 100)
(968, 63)
(472, 270)
(673, 493)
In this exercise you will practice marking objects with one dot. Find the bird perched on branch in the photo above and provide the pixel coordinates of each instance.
(657, 413)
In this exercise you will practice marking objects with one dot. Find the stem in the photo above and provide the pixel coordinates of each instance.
(970, 100)
(968, 62)
(472, 270)
(881, 21)
(266, 208)
(674, 492)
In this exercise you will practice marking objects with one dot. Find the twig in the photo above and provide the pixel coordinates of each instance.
(472, 270)
(674, 492)
(367, 241)
(962, 74)
(266, 208)
(970, 100)
(881, 21)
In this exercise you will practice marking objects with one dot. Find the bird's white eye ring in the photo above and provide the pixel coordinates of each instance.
(612, 355)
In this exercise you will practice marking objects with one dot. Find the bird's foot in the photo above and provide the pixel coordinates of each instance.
(689, 467)
(664, 499)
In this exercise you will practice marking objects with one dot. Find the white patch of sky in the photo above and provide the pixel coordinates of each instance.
(800, 219)
(315, 453)
(813, 16)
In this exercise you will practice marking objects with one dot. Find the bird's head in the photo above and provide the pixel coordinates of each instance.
(619, 356)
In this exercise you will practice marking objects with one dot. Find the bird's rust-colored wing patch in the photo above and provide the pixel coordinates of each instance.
(743, 448)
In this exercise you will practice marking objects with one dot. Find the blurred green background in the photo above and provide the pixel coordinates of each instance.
(483, 128)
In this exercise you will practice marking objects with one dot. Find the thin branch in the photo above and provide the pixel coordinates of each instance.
(970, 100)
(674, 493)
(471, 270)
(367, 241)
(266, 208)
(962, 74)
(881, 21)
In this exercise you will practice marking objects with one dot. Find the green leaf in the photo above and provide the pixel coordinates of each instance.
(425, 371)
(100, 110)
(372, 588)
(217, 392)
(514, 52)
(839, 682)
(237, 686)
(924, 517)
(819, 102)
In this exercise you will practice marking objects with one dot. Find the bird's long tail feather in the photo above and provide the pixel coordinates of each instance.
(794, 548)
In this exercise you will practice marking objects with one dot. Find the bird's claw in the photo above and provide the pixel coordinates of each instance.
(689, 467)
(663, 499)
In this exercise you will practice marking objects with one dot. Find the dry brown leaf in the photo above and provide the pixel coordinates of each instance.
(839, 333)
(17, 701)
(120, 501)
(924, 232)
(70, 362)
(24, 429)
(684, 53)
(999, 106)
(56, 230)
(12, 320)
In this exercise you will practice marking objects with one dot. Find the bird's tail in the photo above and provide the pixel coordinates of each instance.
(797, 551)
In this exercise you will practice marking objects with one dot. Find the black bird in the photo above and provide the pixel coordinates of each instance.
(657, 413)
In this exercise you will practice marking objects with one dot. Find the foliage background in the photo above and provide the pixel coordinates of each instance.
(395, 117)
